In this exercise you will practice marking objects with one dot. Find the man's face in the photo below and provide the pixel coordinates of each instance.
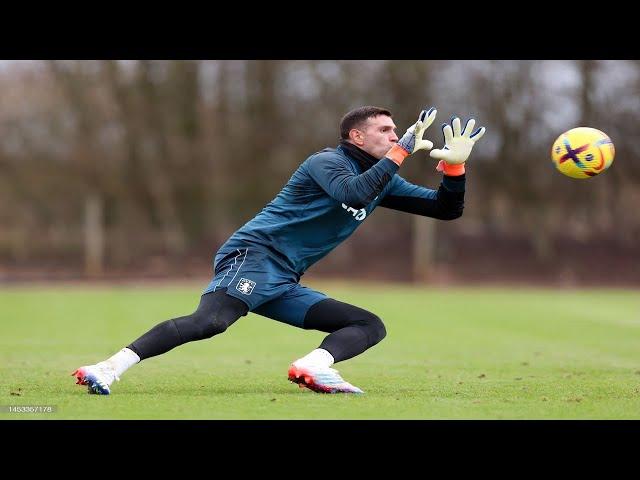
(376, 136)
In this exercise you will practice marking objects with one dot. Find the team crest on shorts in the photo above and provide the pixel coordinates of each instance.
(245, 286)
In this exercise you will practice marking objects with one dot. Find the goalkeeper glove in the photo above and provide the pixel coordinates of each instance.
(412, 140)
(457, 146)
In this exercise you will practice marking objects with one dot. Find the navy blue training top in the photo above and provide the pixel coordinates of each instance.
(329, 196)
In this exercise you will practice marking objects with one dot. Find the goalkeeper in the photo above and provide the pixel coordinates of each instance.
(259, 267)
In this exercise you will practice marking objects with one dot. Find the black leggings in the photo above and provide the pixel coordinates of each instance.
(352, 329)
(216, 312)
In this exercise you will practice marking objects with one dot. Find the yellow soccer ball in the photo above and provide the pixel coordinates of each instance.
(582, 152)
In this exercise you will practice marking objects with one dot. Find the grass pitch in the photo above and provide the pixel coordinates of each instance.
(455, 353)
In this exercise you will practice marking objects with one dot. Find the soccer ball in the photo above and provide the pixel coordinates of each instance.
(582, 152)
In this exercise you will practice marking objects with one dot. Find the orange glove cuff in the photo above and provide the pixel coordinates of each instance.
(397, 154)
(451, 170)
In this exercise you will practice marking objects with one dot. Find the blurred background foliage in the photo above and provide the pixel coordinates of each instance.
(113, 169)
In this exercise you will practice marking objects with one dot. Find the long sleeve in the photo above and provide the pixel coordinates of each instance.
(332, 173)
(446, 203)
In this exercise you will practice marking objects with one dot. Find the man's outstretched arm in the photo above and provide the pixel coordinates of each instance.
(447, 202)
(331, 172)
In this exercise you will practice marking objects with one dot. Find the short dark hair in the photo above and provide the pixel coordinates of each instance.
(355, 118)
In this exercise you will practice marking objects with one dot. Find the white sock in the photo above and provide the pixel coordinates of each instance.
(318, 357)
(121, 361)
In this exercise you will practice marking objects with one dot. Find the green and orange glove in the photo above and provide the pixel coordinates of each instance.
(412, 140)
(457, 146)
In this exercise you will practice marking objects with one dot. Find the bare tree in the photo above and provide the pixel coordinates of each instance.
(74, 81)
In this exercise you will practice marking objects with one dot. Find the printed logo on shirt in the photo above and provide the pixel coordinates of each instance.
(245, 286)
(357, 214)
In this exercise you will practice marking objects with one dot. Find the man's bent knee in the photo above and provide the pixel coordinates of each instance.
(199, 326)
(216, 312)
(376, 329)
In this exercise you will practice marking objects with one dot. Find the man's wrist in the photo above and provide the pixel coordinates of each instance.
(397, 154)
(449, 169)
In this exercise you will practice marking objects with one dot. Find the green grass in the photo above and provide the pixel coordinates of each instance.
(455, 353)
